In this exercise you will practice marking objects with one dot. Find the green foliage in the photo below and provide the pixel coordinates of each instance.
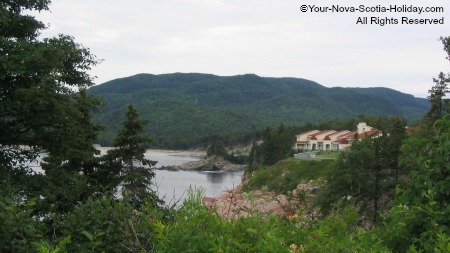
(420, 213)
(38, 78)
(338, 232)
(107, 225)
(185, 109)
(74, 163)
(40, 110)
(46, 247)
(198, 230)
(440, 104)
(217, 147)
(328, 154)
(368, 171)
(135, 170)
(351, 178)
(71, 207)
(418, 221)
(99, 224)
(18, 227)
(285, 175)
(276, 145)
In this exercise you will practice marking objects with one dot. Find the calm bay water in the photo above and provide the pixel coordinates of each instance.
(172, 186)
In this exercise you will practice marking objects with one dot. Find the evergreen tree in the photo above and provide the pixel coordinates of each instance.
(352, 178)
(422, 206)
(43, 105)
(367, 173)
(269, 151)
(74, 163)
(440, 105)
(135, 170)
(277, 145)
(217, 147)
(254, 156)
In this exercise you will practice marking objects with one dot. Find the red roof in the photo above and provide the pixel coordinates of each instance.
(348, 136)
(319, 133)
(336, 133)
(343, 141)
(368, 133)
(307, 132)
(340, 132)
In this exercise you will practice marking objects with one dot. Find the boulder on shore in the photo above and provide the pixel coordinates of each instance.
(214, 163)
(233, 203)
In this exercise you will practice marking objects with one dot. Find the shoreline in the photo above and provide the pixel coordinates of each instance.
(199, 154)
(176, 152)
(201, 163)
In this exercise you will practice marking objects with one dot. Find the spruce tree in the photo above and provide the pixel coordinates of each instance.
(440, 104)
(135, 170)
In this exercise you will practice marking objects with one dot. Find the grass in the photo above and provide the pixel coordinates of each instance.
(285, 175)
(328, 154)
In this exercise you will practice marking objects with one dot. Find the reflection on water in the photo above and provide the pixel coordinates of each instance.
(173, 185)
(215, 178)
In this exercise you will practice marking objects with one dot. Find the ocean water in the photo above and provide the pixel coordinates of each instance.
(172, 186)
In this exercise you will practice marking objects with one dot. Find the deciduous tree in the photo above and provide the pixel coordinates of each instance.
(419, 218)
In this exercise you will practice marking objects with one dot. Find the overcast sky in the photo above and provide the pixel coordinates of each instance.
(268, 38)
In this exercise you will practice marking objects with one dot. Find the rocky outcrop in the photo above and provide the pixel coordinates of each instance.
(171, 168)
(232, 204)
(214, 163)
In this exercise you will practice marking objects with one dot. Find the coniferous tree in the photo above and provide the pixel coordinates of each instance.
(367, 173)
(75, 163)
(217, 147)
(397, 134)
(135, 170)
(268, 148)
(352, 178)
(277, 144)
(254, 156)
(440, 105)
(43, 105)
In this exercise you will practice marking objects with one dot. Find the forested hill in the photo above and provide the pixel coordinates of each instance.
(185, 108)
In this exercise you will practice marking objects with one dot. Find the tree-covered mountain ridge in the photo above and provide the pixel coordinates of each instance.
(185, 108)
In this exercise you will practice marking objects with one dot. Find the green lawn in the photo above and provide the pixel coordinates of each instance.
(328, 154)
